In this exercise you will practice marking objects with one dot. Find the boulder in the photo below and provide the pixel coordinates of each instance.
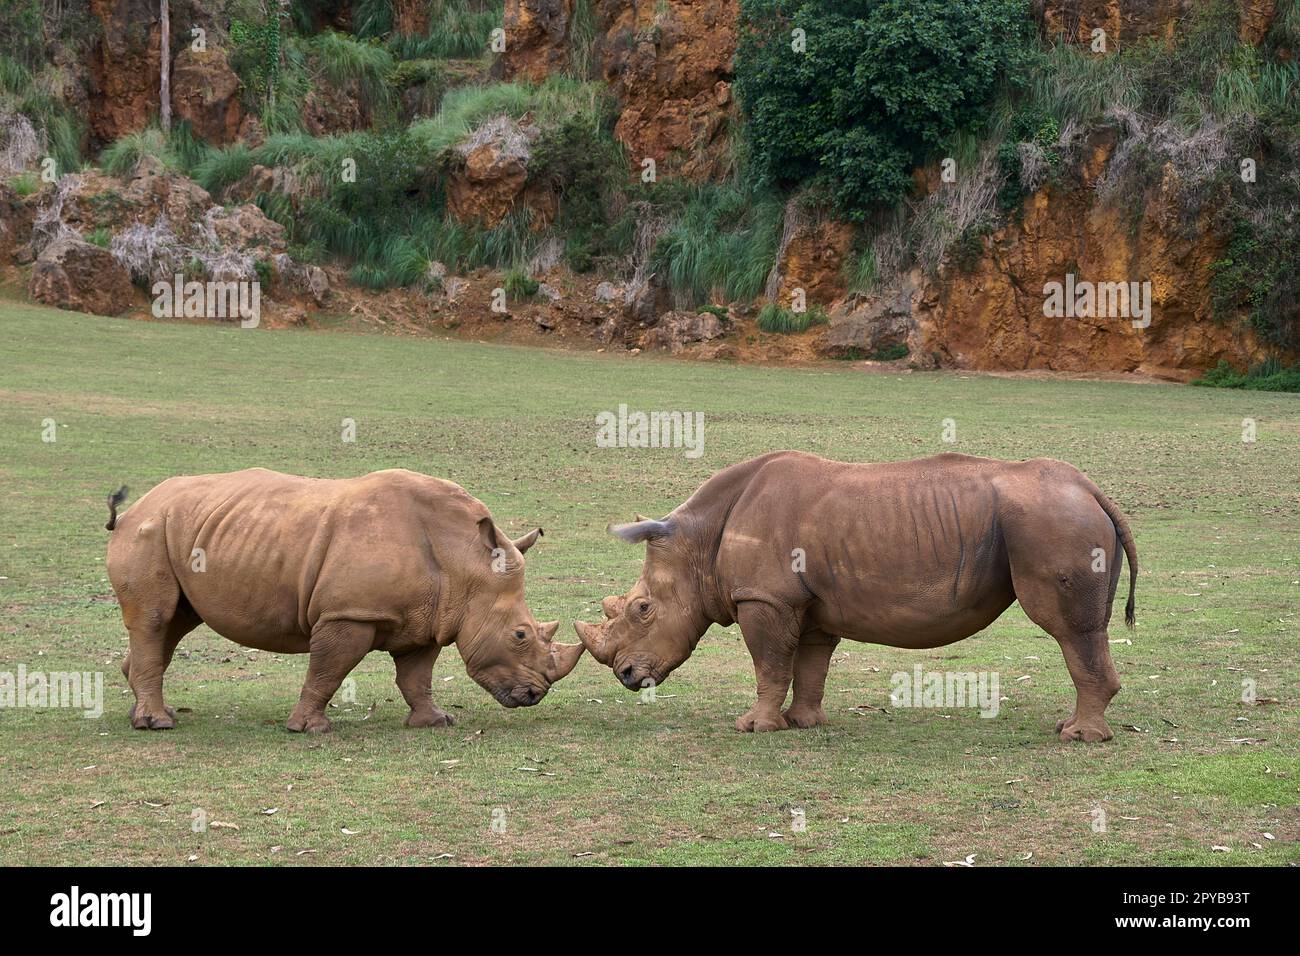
(677, 330)
(246, 227)
(489, 175)
(882, 322)
(76, 275)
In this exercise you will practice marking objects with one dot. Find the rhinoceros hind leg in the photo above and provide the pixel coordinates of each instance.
(811, 661)
(771, 633)
(1095, 682)
(414, 680)
(336, 647)
(150, 653)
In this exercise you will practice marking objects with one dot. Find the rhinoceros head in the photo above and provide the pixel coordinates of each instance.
(506, 650)
(648, 632)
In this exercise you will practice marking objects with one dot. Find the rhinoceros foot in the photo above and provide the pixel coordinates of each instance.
(760, 722)
(146, 721)
(430, 718)
(798, 716)
(1090, 730)
(310, 724)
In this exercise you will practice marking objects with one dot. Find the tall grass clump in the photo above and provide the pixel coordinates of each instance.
(723, 241)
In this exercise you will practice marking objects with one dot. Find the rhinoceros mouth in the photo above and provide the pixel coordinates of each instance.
(521, 695)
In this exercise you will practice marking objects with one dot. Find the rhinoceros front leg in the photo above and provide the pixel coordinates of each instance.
(336, 648)
(771, 633)
(415, 680)
(811, 662)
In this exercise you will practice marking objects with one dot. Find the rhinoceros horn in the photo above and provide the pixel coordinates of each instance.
(593, 638)
(564, 657)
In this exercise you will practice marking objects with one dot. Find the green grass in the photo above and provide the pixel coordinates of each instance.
(620, 781)
(777, 318)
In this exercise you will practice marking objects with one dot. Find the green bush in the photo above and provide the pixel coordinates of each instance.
(1269, 376)
(882, 84)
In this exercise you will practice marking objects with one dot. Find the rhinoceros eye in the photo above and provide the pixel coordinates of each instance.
(643, 608)
(520, 634)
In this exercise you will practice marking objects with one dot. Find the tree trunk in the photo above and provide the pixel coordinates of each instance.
(165, 67)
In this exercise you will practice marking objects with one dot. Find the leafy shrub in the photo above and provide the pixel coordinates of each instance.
(883, 83)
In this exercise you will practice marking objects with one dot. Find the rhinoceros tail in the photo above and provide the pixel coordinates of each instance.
(115, 499)
(1130, 549)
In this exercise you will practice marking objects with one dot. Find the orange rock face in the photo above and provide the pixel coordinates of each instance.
(124, 68)
(813, 260)
(670, 64)
(537, 38)
(205, 91)
(1127, 20)
(991, 315)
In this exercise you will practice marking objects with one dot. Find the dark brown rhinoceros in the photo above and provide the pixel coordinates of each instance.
(392, 561)
(802, 552)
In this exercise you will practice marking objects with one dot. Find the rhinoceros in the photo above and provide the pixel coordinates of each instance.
(803, 551)
(391, 561)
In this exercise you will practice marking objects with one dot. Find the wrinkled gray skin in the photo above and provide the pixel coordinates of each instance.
(392, 561)
(915, 554)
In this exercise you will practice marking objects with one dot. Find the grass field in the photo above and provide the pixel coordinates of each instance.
(592, 775)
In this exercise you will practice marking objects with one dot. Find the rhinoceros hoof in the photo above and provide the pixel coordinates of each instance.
(311, 724)
(1088, 731)
(805, 717)
(748, 723)
(435, 718)
(1062, 724)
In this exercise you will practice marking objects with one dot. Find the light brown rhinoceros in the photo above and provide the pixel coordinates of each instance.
(392, 561)
(803, 551)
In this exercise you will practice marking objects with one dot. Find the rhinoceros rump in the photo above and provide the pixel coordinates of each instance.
(803, 551)
(392, 561)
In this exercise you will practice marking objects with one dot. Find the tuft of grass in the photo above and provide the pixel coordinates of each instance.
(25, 184)
(122, 157)
(518, 284)
(723, 241)
(776, 318)
(348, 63)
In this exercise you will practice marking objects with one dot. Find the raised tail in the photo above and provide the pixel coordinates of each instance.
(115, 499)
(1130, 549)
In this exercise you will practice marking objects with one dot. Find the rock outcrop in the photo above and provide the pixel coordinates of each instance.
(205, 92)
(989, 311)
(488, 178)
(537, 38)
(1128, 20)
(76, 275)
(675, 331)
(671, 65)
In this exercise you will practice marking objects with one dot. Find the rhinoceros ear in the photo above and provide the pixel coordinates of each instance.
(488, 534)
(528, 540)
(644, 529)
